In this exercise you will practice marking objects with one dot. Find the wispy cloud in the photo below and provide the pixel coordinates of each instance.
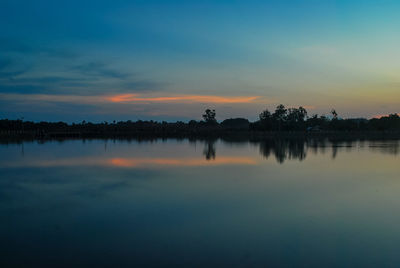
(4, 63)
(130, 98)
(99, 69)
(52, 98)
(126, 98)
(15, 46)
(12, 67)
(17, 76)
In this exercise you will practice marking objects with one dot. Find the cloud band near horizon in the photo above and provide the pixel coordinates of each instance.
(131, 98)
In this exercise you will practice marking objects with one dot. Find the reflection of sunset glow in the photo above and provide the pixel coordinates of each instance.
(134, 162)
(182, 98)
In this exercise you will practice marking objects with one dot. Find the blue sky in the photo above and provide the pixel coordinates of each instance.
(170, 60)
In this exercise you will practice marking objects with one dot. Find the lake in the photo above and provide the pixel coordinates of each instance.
(194, 203)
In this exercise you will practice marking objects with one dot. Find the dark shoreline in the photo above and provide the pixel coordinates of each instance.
(18, 136)
(283, 123)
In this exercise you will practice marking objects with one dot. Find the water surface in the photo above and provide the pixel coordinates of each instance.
(181, 203)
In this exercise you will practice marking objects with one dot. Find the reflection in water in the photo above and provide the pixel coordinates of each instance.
(209, 150)
(387, 147)
(130, 162)
(280, 149)
(131, 204)
(142, 162)
(283, 149)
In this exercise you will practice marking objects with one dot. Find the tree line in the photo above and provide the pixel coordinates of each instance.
(282, 119)
(297, 119)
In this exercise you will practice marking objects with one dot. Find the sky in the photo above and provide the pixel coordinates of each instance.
(170, 60)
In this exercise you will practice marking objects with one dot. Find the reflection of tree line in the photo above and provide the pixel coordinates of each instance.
(292, 149)
(392, 147)
(209, 150)
(283, 149)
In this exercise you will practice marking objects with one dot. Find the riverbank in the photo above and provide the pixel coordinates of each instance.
(10, 136)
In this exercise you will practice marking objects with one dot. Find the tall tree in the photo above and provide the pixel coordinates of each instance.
(209, 116)
(334, 114)
(265, 115)
(280, 115)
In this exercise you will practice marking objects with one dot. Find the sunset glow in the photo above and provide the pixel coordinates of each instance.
(129, 98)
(199, 133)
(123, 62)
(134, 162)
(182, 99)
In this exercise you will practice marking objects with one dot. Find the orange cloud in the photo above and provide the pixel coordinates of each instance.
(182, 98)
(129, 98)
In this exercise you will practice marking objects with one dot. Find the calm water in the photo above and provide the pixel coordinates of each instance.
(200, 204)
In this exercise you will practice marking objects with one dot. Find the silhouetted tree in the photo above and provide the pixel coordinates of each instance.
(266, 120)
(295, 118)
(280, 115)
(265, 115)
(209, 116)
(334, 114)
(282, 119)
(302, 113)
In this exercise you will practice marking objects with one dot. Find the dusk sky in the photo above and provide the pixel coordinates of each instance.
(170, 60)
